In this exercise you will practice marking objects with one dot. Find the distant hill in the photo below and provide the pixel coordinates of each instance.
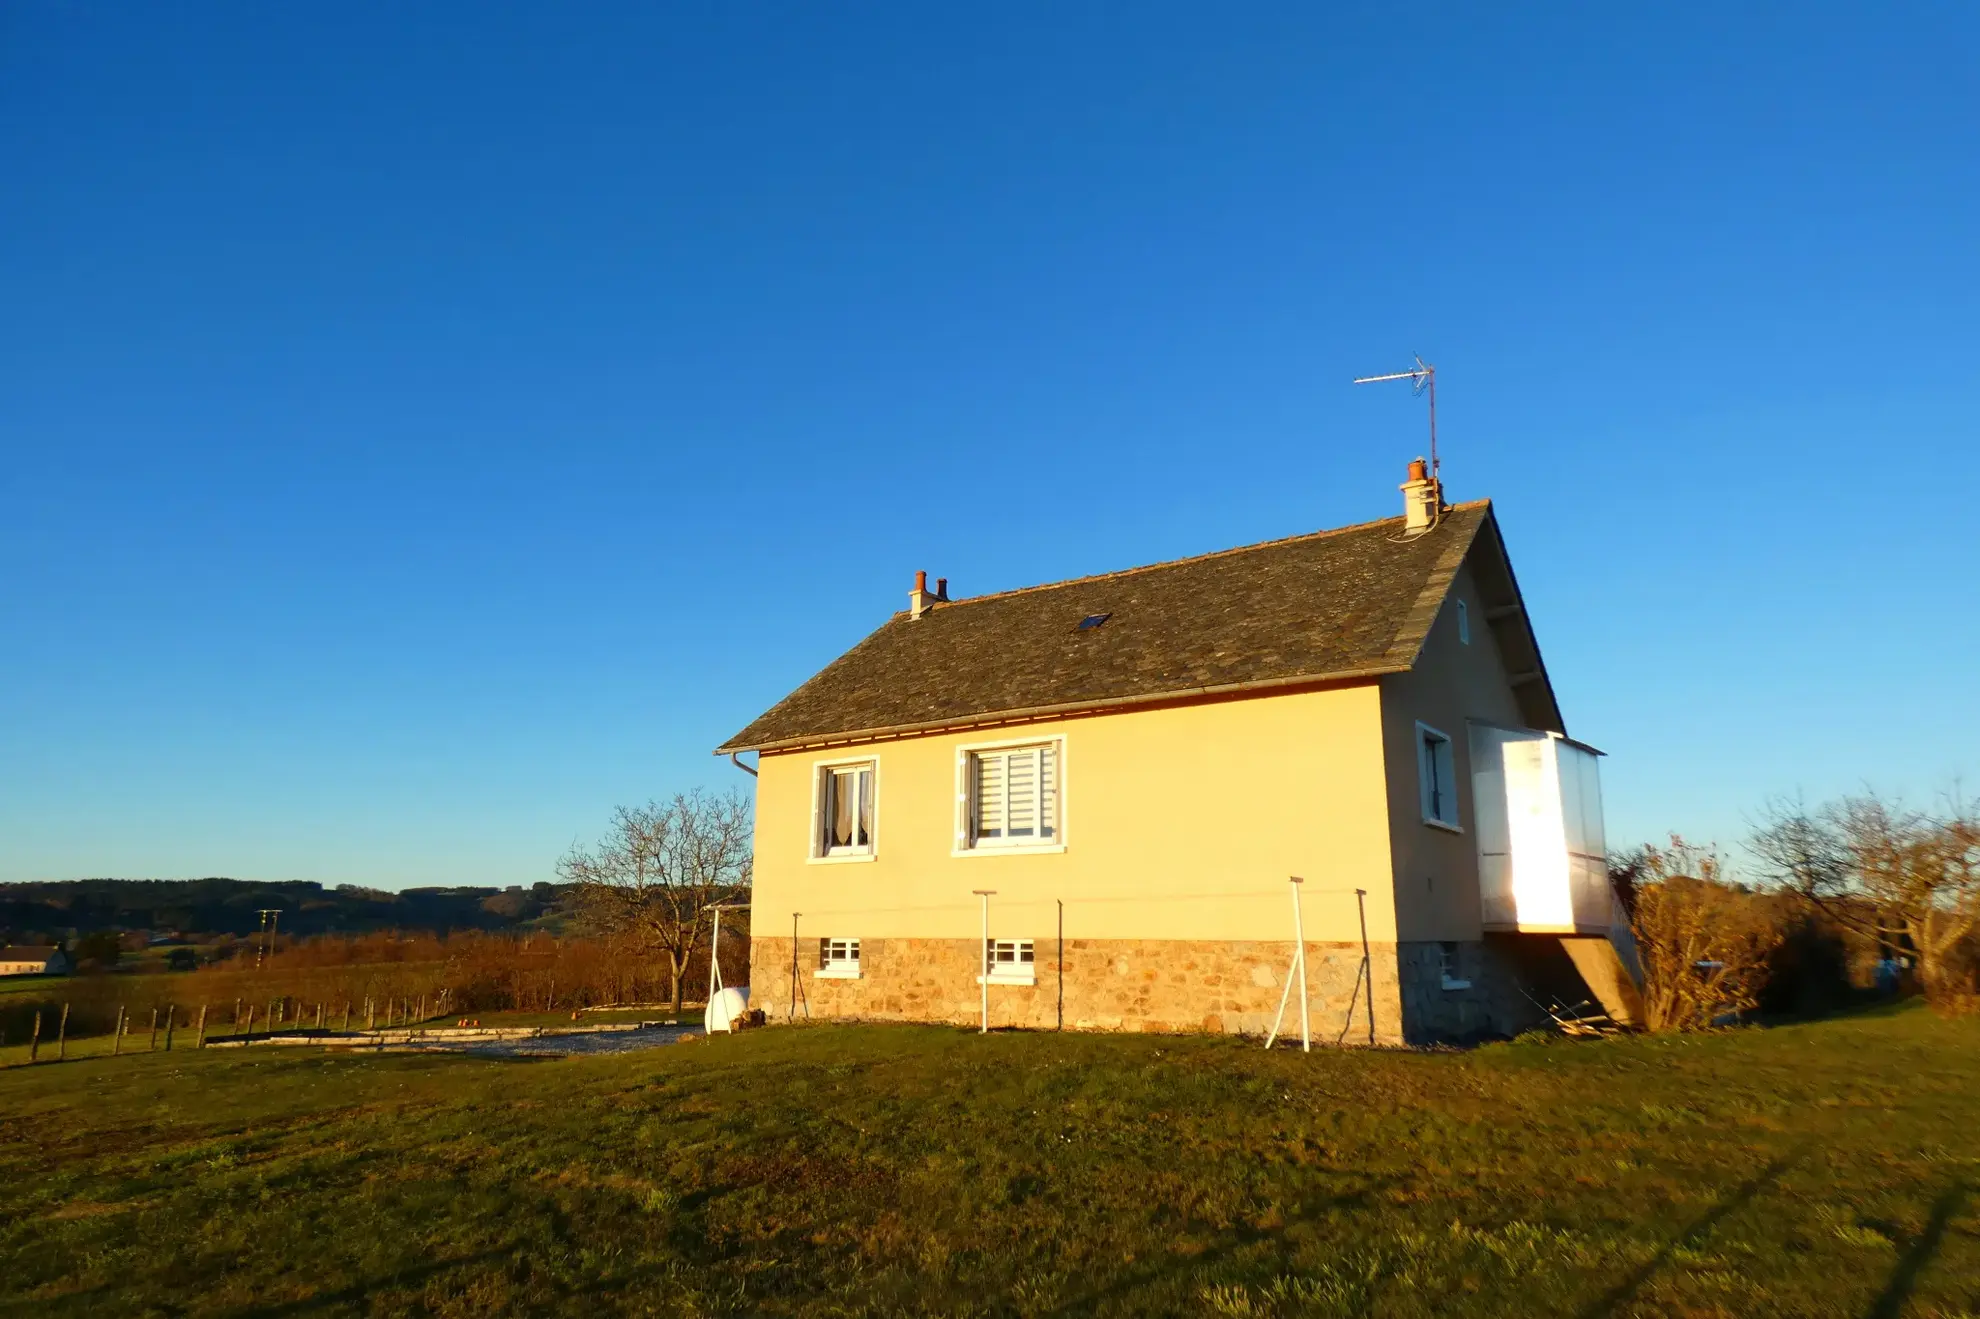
(70, 908)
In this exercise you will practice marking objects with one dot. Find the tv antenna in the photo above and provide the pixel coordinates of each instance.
(1424, 377)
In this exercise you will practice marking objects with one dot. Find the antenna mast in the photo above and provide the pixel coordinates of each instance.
(1424, 378)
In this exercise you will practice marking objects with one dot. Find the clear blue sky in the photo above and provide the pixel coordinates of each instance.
(423, 427)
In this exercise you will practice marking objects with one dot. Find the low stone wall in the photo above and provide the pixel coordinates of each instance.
(1106, 984)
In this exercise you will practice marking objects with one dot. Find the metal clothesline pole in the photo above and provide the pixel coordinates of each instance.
(715, 959)
(983, 980)
(1296, 971)
(1299, 933)
(1367, 961)
(715, 945)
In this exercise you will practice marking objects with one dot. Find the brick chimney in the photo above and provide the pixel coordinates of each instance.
(1422, 499)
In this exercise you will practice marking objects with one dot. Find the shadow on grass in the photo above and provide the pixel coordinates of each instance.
(1694, 1235)
(1158, 1271)
(1905, 1276)
(358, 1291)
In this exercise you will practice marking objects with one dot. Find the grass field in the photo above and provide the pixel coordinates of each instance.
(1822, 1169)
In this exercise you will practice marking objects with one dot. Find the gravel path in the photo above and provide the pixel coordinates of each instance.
(623, 1041)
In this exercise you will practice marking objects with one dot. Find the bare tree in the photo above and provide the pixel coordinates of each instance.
(1704, 943)
(1907, 880)
(659, 868)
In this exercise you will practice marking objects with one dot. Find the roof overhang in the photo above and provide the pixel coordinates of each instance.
(1068, 709)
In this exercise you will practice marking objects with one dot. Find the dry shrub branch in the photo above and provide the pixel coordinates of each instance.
(1704, 943)
(1907, 880)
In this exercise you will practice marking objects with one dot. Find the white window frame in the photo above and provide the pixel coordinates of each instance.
(1446, 963)
(833, 961)
(1426, 736)
(1464, 623)
(1020, 969)
(817, 852)
(964, 843)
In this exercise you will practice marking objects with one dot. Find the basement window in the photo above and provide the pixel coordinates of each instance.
(1447, 966)
(1437, 772)
(1010, 962)
(838, 959)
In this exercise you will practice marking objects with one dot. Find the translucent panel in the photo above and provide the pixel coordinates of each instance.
(1541, 844)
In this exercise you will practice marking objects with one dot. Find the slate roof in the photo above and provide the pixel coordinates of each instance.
(1354, 602)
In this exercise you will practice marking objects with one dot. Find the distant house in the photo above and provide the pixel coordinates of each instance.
(1096, 792)
(33, 960)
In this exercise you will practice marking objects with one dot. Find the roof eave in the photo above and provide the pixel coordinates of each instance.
(1263, 686)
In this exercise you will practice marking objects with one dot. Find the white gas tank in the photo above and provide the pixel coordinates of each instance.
(724, 1008)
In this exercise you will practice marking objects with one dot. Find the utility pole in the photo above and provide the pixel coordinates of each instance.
(263, 947)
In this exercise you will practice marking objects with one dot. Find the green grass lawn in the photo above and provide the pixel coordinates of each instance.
(1831, 1168)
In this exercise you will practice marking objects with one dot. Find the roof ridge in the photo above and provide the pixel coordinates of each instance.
(1192, 558)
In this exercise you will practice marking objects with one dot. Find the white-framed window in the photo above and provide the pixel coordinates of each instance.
(838, 959)
(1464, 623)
(1447, 966)
(1437, 772)
(844, 804)
(1010, 962)
(1010, 797)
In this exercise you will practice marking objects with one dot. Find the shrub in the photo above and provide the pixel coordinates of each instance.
(1704, 943)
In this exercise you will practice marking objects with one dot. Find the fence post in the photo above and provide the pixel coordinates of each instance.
(153, 1048)
(200, 1042)
(237, 1016)
(34, 1039)
(62, 1036)
(117, 1038)
(347, 1015)
(171, 1019)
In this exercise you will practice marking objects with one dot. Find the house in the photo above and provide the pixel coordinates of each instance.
(1081, 804)
(33, 960)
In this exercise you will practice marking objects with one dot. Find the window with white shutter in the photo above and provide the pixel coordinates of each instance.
(1012, 796)
(842, 811)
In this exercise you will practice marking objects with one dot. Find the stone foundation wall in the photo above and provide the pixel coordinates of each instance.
(1489, 1005)
(1107, 984)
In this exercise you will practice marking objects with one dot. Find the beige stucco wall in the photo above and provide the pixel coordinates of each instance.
(1436, 870)
(1180, 822)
